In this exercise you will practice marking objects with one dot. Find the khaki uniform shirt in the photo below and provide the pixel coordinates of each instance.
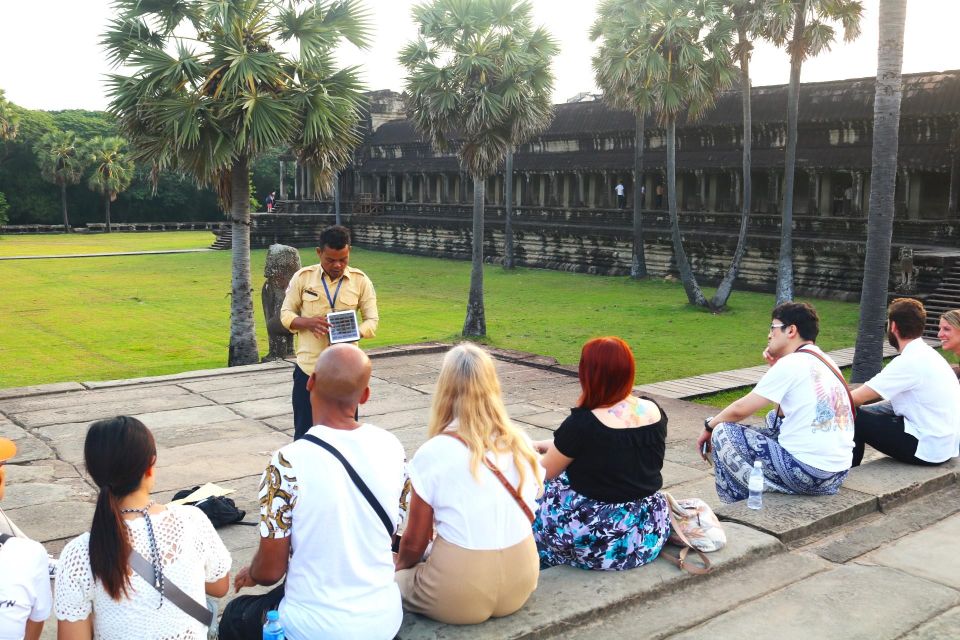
(306, 297)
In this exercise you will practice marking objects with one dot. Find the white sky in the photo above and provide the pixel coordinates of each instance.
(50, 59)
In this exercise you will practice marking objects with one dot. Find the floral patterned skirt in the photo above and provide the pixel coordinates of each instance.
(574, 530)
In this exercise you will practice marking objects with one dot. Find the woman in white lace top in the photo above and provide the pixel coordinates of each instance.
(97, 593)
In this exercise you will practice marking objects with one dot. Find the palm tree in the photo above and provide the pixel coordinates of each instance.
(112, 170)
(806, 28)
(868, 356)
(61, 162)
(9, 118)
(749, 18)
(622, 26)
(209, 90)
(682, 58)
(480, 74)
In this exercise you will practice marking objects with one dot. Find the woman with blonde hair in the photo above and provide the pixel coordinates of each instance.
(949, 334)
(475, 480)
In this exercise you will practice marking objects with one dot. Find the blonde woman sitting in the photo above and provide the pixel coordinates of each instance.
(476, 480)
(949, 334)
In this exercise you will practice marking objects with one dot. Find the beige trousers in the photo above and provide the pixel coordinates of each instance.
(464, 586)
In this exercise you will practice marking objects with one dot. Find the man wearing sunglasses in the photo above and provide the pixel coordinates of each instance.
(806, 442)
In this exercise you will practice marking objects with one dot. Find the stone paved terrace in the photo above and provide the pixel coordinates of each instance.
(221, 425)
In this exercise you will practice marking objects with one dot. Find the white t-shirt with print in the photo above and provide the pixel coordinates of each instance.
(817, 427)
(192, 554)
(473, 512)
(24, 586)
(922, 388)
(340, 581)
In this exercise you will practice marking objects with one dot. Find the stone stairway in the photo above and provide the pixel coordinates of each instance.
(944, 298)
(224, 237)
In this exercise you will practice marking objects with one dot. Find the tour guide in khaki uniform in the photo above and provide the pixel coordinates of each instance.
(314, 292)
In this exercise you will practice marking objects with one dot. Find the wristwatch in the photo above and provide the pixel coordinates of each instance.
(706, 424)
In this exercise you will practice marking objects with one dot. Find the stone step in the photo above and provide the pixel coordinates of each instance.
(871, 487)
(567, 596)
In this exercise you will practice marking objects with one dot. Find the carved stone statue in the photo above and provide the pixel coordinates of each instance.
(907, 273)
(282, 263)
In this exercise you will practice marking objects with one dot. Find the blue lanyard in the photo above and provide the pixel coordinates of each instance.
(333, 300)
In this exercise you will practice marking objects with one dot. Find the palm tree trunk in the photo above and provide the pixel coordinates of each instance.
(508, 212)
(725, 288)
(63, 205)
(868, 356)
(694, 295)
(476, 322)
(106, 206)
(638, 266)
(243, 337)
(785, 269)
(336, 198)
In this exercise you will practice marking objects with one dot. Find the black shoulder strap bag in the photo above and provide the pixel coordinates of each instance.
(357, 480)
(4, 537)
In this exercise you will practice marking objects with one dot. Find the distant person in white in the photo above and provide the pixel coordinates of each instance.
(621, 194)
(25, 599)
(316, 526)
(918, 420)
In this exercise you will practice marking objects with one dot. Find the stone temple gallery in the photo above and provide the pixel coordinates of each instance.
(401, 195)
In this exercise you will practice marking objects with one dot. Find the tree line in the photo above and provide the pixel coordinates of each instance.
(56, 161)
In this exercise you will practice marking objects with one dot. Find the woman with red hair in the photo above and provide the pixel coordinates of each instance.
(602, 507)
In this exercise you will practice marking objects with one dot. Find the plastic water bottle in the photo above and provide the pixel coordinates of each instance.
(755, 501)
(272, 629)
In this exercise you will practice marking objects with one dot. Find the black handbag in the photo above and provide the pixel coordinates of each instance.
(221, 510)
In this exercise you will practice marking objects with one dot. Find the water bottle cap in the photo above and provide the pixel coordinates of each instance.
(273, 616)
(757, 464)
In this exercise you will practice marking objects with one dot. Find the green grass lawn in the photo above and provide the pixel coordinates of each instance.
(75, 243)
(118, 317)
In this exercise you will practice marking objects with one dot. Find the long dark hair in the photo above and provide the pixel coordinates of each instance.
(117, 452)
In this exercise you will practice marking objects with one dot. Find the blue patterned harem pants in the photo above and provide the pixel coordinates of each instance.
(736, 446)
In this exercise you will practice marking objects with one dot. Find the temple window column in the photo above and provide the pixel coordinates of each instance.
(701, 188)
(445, 189)
(296, 180)
(579, 177)
(307, 182)
(773, 184)
(913, 203)
(857, 205)
(826, 194)
(525, 195)
(554, 193)
(712, 185)
(592, 191)
(650, 188)
(391, 188)
(283, 188)
(953, 199)
(404, 186)
(607, 188)
(813, 195)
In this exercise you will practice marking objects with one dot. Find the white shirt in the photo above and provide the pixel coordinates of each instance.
(817, 427)
(340, 581)
(619, 188)
(473, 512)
(24, 586)
(922, 388)
(192, 555)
